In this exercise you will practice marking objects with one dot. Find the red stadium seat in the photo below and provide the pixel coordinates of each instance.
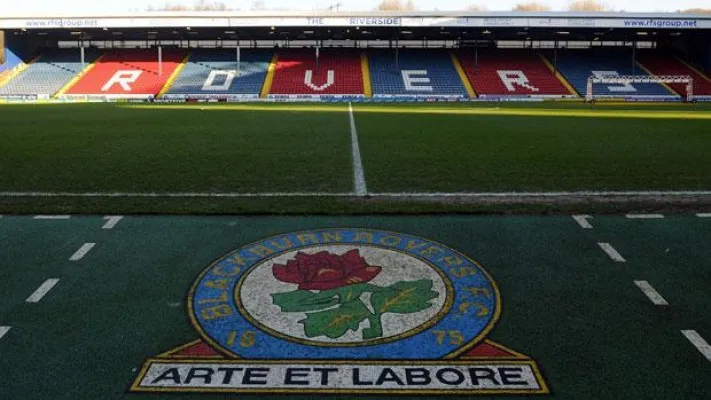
(126, 73)
(663, 64)
(511, 73)
(338, 72)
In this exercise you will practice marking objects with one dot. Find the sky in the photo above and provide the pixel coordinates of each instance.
(44, 7)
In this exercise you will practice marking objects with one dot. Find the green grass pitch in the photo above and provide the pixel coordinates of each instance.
(267, 148)
(564, 302)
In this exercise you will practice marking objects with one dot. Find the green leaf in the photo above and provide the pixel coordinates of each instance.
(304, 300)
(336, 322)
(376, 327)
(351, 292)
(404, 297)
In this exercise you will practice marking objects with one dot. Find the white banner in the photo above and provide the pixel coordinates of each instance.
(341, 97)
(660, 22)
(343, 377)
(209, 96)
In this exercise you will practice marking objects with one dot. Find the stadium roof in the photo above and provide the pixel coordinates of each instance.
(358, 25)
(326, 13)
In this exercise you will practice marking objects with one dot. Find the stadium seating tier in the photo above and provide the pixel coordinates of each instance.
(666, 64)
(129, 73)
(215, 72)
(407, 73)
(49, 73)
(336, 72)
(415, 72)
(511, 73)
(578, 65)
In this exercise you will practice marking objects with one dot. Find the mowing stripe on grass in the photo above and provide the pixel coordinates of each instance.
(645, 216)
(582, 220)
(629, 193)
(79, 254)
(51, 217)
(651, 293)
(42, 291)
(358, 173)
(4, 330)
(177, 194)
(581, 194)
(501, 111)
(698, 342)
(111, 222)
(611, 252)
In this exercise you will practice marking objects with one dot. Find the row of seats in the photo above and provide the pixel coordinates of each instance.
(515, 72)
(129, 73)
(49, 73)
(410, 72)
(420, 72)
(214, 72)
(577, 66)
(673, 66)
(335, 72)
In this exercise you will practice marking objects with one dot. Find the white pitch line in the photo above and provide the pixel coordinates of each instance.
(42, 291)
(582, 194)
(704, 215)
(111, 221)
(651, 293)
(582, 220)
(645, 216)
(698, 342)
(614, 255)
(79, 254)
(358, 173)
(51, 217)
(4, 330)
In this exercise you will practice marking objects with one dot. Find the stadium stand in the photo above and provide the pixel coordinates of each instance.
(213, 72)
(513, 73)
(337, 72)
(49, 73)
(128, 73)
(659, 63)
(414, 73)
(578, 65)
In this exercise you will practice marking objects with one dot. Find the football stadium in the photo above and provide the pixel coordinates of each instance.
(338, 205)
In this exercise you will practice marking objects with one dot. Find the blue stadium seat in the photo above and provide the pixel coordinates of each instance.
(578, 65)
(195, 79)
(50, 73)
(415, 72)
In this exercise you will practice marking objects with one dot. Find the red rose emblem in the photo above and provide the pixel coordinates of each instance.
(324, 270)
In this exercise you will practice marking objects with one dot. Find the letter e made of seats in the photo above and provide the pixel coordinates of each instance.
(416, 81)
